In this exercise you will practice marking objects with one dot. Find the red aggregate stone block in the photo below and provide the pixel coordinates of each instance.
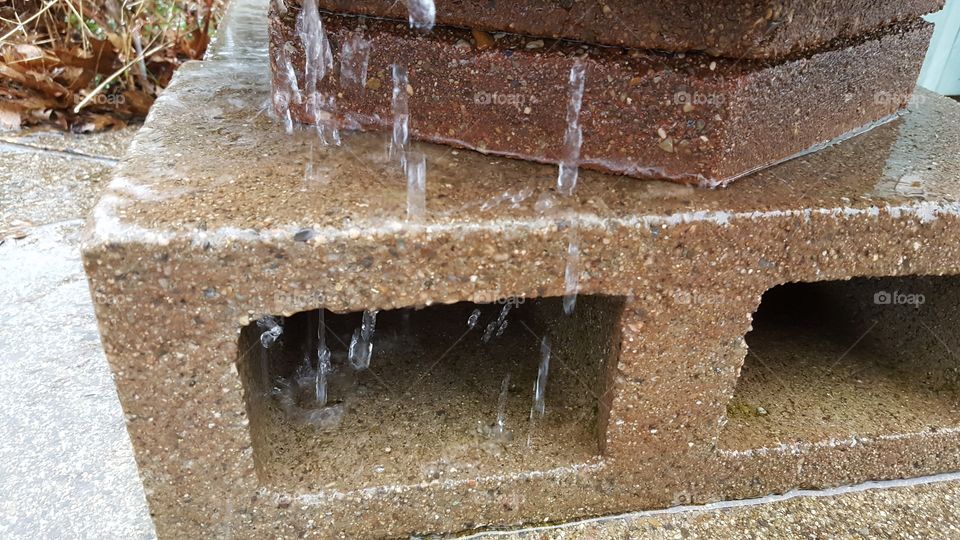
(730, 28)
(691, 119)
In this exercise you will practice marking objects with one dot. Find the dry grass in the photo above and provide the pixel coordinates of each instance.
(87, 65)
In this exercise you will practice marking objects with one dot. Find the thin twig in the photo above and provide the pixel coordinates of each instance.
(115, 74)
(30, 19)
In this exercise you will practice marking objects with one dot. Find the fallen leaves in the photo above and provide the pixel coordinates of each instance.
(81, 66)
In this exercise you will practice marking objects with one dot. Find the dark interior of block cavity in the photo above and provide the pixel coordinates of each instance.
(427, 406)
(867, 357)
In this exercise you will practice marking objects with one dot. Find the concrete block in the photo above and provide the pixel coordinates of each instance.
(659, 391)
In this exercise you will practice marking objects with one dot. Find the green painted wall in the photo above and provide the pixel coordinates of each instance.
(941, 69)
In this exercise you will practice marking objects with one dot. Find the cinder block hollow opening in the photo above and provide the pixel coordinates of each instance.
(438, 400)
(865, 358)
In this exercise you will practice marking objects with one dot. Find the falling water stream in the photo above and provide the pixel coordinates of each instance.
(361, 345)
(540, 386)
(498, 325)
(422, 13)
(571, 273)
(401, 116)
(354, 61)
(573, 135)
(324, 366)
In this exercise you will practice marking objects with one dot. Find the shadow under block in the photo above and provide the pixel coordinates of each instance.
(216, 217)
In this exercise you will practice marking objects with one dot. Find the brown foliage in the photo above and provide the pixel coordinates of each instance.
(89, 65)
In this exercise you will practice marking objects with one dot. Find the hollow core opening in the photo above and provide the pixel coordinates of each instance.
(450, 392)
(865, 358)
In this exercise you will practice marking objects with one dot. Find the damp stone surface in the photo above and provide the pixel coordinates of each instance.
(216, 218)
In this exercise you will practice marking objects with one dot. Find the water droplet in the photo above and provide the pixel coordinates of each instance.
(472, 320)
(272, 331)
(497, 326)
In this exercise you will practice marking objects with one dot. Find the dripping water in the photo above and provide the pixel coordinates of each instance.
(498, 325)
(401, 116)
(324, 367)
(571, 273)
(354, 60)
(416, 171)
(422, 14)
(318, 61)
(473, 318)
(287, 90)
(325, 123)
(540, 386)
(361, 345)
(573, 136)
(500, 428)
(318, 58)
(272, 330)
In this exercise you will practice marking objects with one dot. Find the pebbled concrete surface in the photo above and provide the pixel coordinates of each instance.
(922, 508)
(66, 464)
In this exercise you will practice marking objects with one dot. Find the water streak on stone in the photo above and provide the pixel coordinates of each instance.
(499, 325)
(416, 171)
(361, 345)
(422, 13)
(573, 137)
(286, 90)
(318, 61)
(354, 60)
(323, 110)
(540, 386)
(401, 115)
(318, 58)
(571, 274)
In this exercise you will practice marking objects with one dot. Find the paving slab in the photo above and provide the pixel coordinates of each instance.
(41, 187)
(108, 145)
(68, 466)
